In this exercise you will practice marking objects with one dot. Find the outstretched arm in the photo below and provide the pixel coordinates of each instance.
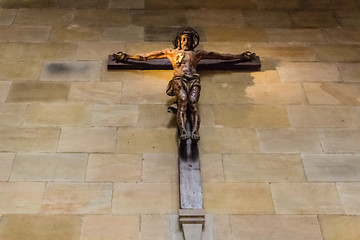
(121, 56)
(245, 56)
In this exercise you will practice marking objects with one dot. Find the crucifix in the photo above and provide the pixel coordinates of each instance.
(185, 87)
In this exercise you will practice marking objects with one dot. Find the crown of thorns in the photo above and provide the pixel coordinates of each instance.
(195, 38)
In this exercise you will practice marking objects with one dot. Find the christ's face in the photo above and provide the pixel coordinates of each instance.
(185, 42)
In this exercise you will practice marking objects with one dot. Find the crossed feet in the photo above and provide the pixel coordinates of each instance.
(184, 136)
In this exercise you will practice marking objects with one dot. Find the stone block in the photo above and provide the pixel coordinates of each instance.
(263, 168)
(274, 227)
(231, 34)
(27, 4)
(163, 117)
(40, 227)
(157, 17)
(237, 198)
(224, 93)
(38, 92)
(58, 114)
(335, 227)
(44, 17)
(306, 198)
(81, 4)
(228, 140)
(267, 19)
(252, 116)
(20, 197)
(77, 198)
(348, 18)
(340, 140)
(6, 163)
(162, 168)
(99, 50)
(82, 139)
(309, 72)
(12, 114)
(204, 18)
(317, 95)
(75, 33)
(282, 4)
(342, 35)
(25, 70)
(145, 198)
(97, 92)
(7, 16)
(4, 90)
(51, 51)
(114, 115)
(212, 169)
(101, 17)
(97, 227)
(71, 71)
(153, 140)
(114, 168)
(24, 33)
(313, 19)
(27, 139)
(127, 4)
(295, 36)
(150, 225)
(284, 52)
(345, 93)
(289, 140)
(49, 167)
(350, 72)
(350, 197)
(323, 116)
(129, 33)
(337, 52)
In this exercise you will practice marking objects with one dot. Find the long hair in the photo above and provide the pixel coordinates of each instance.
(195, 38)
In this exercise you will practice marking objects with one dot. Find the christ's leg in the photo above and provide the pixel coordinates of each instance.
(194, 96)
(181, 115)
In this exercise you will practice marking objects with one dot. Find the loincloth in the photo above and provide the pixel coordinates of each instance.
(187, 83)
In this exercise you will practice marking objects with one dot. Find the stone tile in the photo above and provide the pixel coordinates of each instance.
(136, 198)
(4, 90)
(162, 168)
(306, 198)
(340, 227)
(98, 4)
(97, 92)
(48, 51)
(263, 168)
(154, 140)
(49, 167)
(71, 71)
(228, 34)
(163, 117)
(75, 33)
(151, 224)
(313, 19)
(316, 95)
(237, 198)
(28, 139)
(323, 116)
(114, 168)
(224, 93)
(69, 114)
(114, 115)
(77, 198)
(274, 227)
(340, 140)
(337, 52)
(44, 16)
(253, 116)
(309, 72)
(127, 4)
(137, 92)
(129, 33)
(6, 162)
(348, 18)
(101, 17)
(276, 94)
(20, 197)
(289, 140)
(81, 139)
(12, 114)
(228, 140)
(25, 70)
(27, 4)
(268, 19)
(38, 91)
(214, 17)
(345, 93)
(7, 16)
(284, 52)
(350, 197)
(342, 35)
(97, 227)
(40, 227)
(212, 169)
(350, 72)
(24, 34)
(331, 167)
(98, 50)
(295, 35)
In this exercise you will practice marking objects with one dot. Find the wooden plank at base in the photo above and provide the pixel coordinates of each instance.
(165, 64)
